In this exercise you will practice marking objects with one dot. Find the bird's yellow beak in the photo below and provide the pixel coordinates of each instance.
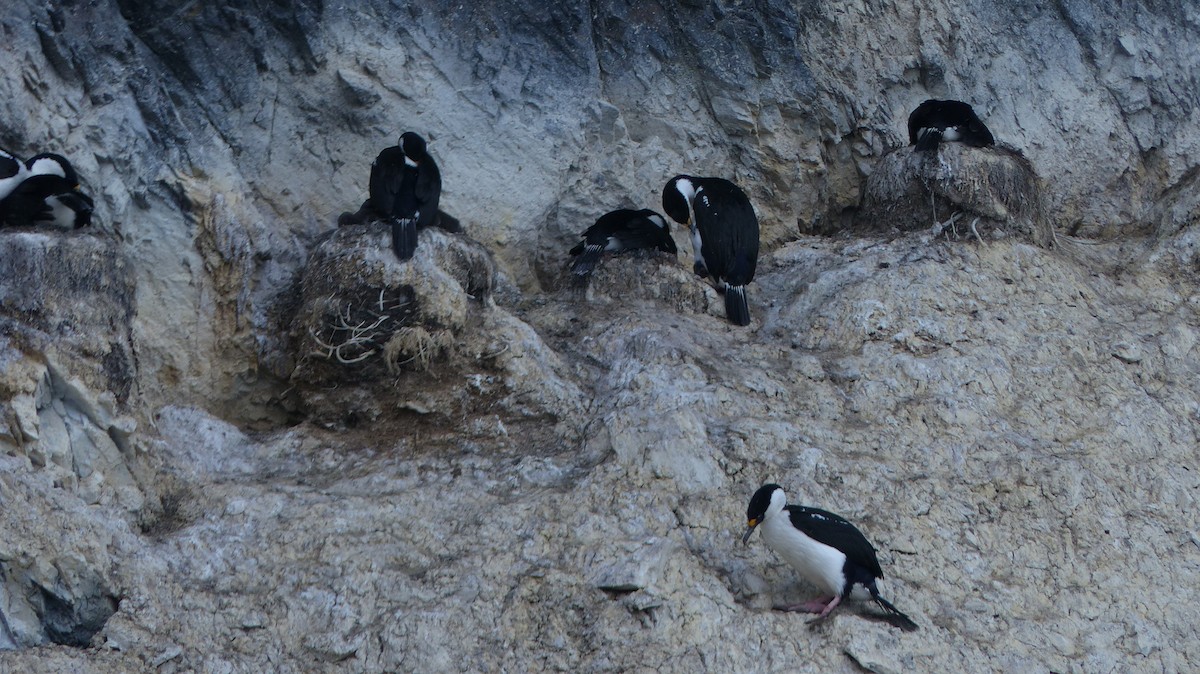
(749, 530)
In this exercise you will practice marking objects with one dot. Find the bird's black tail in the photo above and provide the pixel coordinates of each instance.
(447, 222)
(404, 237)
(736, 309)
(902, 621)
(586, 260)
(928, 139)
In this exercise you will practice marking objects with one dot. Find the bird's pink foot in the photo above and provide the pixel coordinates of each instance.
(826, 611)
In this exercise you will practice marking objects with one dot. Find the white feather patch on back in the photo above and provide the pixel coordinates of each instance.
(47, 166)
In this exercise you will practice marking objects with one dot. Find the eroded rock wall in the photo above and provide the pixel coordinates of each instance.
(1013, 427)
(222, 140)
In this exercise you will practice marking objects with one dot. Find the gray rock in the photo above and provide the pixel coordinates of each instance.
(1013, 427)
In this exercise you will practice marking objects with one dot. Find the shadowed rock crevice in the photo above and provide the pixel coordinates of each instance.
(73, 622)
(66, 603)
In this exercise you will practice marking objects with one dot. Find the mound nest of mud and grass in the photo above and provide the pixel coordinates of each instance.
(961, 192)
(374, 337)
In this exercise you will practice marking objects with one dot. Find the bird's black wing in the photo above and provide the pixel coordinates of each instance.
(386, 175)
(608, 224)
(27, 203)
(918, 119)
(728, 230)
(825, 527)
(428, 191)
(642, 232)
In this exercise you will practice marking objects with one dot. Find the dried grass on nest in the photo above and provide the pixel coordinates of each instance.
(355, 332)
(415, 346)
(646, 275)
(1005, 184)
(996, 184)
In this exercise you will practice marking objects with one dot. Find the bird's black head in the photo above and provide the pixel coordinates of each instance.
(760, 503)
(413, 146)
(9, 165)
(677, 196)
(664, 243)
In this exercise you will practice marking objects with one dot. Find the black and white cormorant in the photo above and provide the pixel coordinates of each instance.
(621, 230)
(935, 121)
(405, 188)
(724, 235)
(48, 195)
(824, 548)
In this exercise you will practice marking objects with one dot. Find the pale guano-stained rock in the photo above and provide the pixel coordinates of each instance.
(66, 361)
(962, 403)
(1014, 429)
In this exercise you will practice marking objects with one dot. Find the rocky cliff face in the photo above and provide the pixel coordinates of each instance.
(527, 475)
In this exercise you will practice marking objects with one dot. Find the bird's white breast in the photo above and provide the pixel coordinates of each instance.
(62, 215)
(818, 563)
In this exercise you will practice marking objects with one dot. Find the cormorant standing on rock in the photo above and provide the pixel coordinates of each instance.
(724, 235)
(828, 551)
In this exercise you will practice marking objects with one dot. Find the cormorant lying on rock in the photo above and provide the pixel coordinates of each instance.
(935, 121)
(618, 231)
(43, 190)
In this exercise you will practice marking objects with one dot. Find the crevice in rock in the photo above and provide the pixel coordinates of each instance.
(63, 601)
(74, 622)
